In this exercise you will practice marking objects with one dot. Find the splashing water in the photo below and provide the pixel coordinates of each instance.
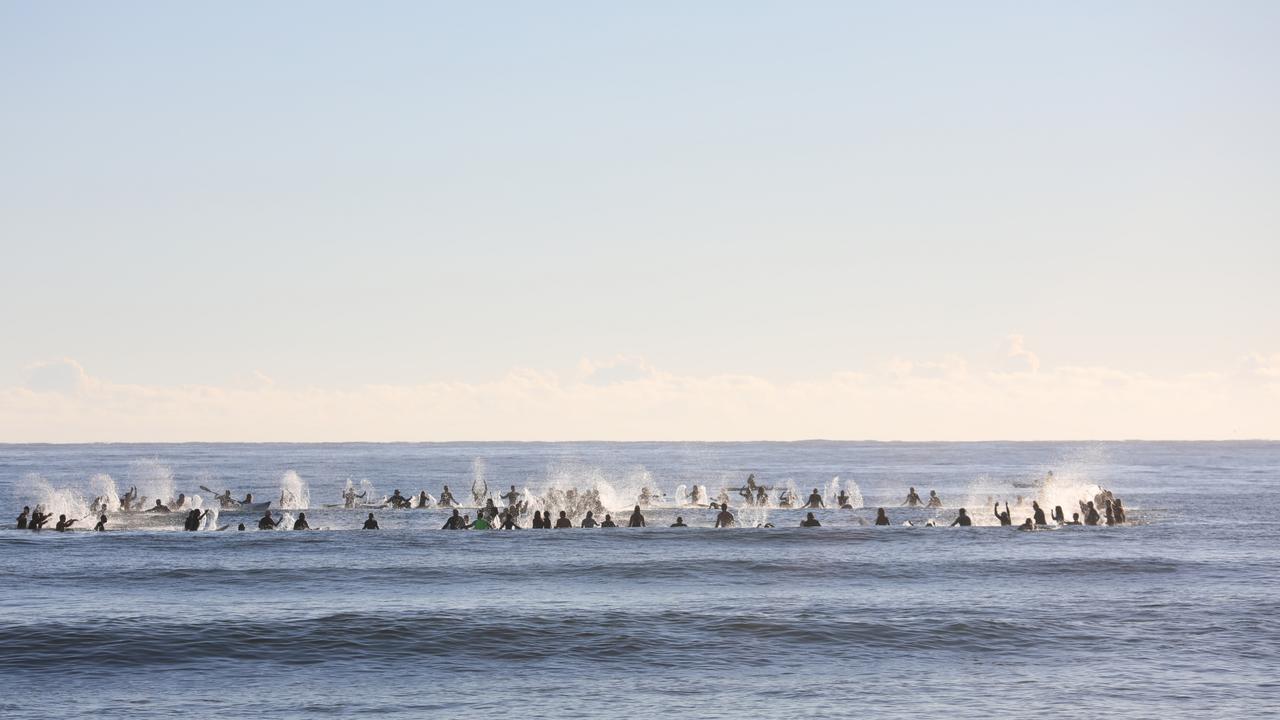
(104, 487)
(36, 491)
(153, 479)
(479, 486)
(294, 494)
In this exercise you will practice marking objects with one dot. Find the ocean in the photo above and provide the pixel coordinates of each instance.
(1172, 614)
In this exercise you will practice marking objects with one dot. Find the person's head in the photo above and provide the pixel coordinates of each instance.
(562, 514)
(102, 518)
(62, 517)
(240, 527)
(1027, 523)
(1035, 504)
(589, 514)
(637, 508)
(1075, 516)
(455, 512)
(1090, 505)
(1117, 502)
(815, 491)
(880, 512)
(962, 512)
(397, 492)
(537, 514)
(513, 487)
(810, 517)
(679, 520)
(302, 516)
(446, 487)
(266, 513)
(158, 503)
(933, 493)
(370, 516)
(608, 518)
(1057, 510)
(724, 507)
(26, 509)
(911, 490)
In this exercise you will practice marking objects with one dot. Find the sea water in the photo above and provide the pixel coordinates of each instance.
(1172, 615)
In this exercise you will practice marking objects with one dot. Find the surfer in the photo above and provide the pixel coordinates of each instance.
(266, 523)
(489, 511)
(446, 497)
(646, 497)
(225, 500)
(1003, 517)
(370, 523)
(399, 501)
(537, 519)
(301, 523)
(481, 523)
(1038, 513)
(1118, 509)
(608, 522)
(424, 500)
(724, 518)
(511, 496)
(815, 500)
(1075, 519)
(913, 499)
(64, 524)
(1058, 516)
(563, 521)
(810, 521)
(934, 500)
(1028, 524)
(762, 496)
(248, 499)
(349, 497)
(962, 519)
(23, 517)
(589, 521)
(509, 521)
(102, 524)
(695, 496)
(637, 520)
(842, 501)
(679, 522)
(881, 518)
(193, 520)
(787, 498)
(159, 507)
(1090, 513)
(455, 522)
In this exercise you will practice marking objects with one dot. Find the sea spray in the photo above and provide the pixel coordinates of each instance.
(153, 479)
(294, 494)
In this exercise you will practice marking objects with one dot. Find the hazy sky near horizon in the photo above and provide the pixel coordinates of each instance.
(413, 220)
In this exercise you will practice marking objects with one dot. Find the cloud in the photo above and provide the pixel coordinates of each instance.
(1018, 349)
(626, 398)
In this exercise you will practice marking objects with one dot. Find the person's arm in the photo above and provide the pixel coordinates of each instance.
(957, 522)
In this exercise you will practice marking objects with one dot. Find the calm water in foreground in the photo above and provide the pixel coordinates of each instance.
(1173, 615)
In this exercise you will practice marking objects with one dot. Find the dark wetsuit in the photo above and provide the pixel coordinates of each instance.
(637, 520)
(1038, 516)
(301, 524)
(1003, 517)
(810, 522)
(454, 523)
(882, 519)
(370, 524)
(22, 521)
(563, 522)
(962, 521)
(266, 523)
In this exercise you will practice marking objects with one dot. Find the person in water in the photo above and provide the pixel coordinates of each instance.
(589, 521)
(481, 523)
(637, 519)
(1058, 516)
(193, 520)
(102, 524)
(1004, 517)
(159, 507)
(679, 522)
(810, 521)
(962, 519)
(1090, 513)
(509, 521)
(446, 497)
(349, 497)
(1038, 513)
(370, 523)
(724, 519)
(1028, 524)
(563, 521)
(881, 518)
(301, 523)
(39, 519)
(23, 517)
(399, 501)
(455, 522)
(913, 499)
(695, 496)
(608, 522)
(1075, 519)
(489, 511)
(815, 500)
(1118, 511)
(424, 500)
(64, 524)
(787, 498)
(537, 519)
(934, 500)
(266, 523)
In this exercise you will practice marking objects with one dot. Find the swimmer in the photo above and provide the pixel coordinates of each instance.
(481, 523)
(424, 500)
(1027, 525)
(446, 497)
(1091, 516)
(399, 501)
(240, 527)
(563, 521)
(102, 524)
(370, 523)
(537, 519)
(913, 500)
(159, 507)
(1118, 508)
(679, 522)
(608, 522)
(589, 521)
(1110, 510)
(637, 520)
(934, 500)
(248, 499)
(511, 496)
(646, 497)
(1003, 517)
(182, 499)
(301, 523)
(266, 523)
(193, 520)
(881, 518)
(695, 496)
(810, 521)
(23, 517)
(762, 496)
(1075, 519)
(64, 524)
(39, 519)
(962, 519)
(815, 500)
(787, 498)
(1038, 514)
(455, 522)
(349, 497)
(842, 500)
(724, 519)
(1058, 516)
(509, 521)
(489, 511)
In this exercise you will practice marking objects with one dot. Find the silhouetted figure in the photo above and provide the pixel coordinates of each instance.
(589, 521)
(637, 519)
(39, 520)
(724, 518)
(608, 522)
(881, 518)
(842, 500)
(511, 496)
(159, 507)
(301, 523)
(1118, 510)
(1038, 513)
(1110, 512)
(399, 501)
(1075, 519)
(1003, 517)
(815, 500)
(102, 524)
(64, 524)
(370, 523)
(23, 517)
(810, 521)
(446, 497)
(962, 519)
(537, 519)
(563, 521)
(240, 527)
(679, 522)
(266, 523)
(934, 500)
(509, 521)
(454, 522)
(423, 500)
(349, 497)
(913, 500)
(1090, 513)
(1059, 516)
(1028, 524)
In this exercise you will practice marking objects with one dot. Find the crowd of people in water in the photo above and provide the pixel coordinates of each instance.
(580, 510)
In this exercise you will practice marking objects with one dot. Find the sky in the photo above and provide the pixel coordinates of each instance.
(661, 220)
